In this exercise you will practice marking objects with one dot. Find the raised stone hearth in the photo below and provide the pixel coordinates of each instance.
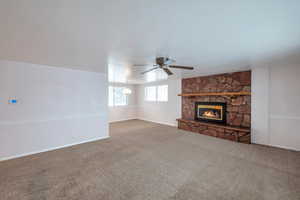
(238, 113)
(221, 131)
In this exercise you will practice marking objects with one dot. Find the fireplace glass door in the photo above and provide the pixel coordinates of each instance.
(210, 112)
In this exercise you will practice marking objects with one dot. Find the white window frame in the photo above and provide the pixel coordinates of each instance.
(157, 97)
(112, 97)
(162, 93)
(148, 95)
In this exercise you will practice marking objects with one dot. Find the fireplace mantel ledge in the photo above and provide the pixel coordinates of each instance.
(215, 94)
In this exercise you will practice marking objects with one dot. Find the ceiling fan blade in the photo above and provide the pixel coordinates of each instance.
(181, 67)
(167, 71)
(149, 70)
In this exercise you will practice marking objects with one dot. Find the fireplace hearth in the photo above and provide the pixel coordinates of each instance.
(214, 112)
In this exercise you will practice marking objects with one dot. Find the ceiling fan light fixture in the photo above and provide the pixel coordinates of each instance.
(164, 63)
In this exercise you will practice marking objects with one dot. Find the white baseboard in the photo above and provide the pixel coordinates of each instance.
(284, 147)
(51, 149)
(158, 122)
(121, 120)
(276, 146)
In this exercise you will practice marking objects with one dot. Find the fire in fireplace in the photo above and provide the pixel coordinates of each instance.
(210, 112)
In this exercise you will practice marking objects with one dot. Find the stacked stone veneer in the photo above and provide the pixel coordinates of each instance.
(238, 107)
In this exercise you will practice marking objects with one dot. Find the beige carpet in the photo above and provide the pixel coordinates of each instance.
(144, 160)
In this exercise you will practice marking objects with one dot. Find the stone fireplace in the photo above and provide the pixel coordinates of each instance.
(221, 106)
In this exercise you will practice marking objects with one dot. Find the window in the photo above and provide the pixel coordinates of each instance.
(156, 93)
(150, 93)
(162, 93)
(116, 96)
(110, 96)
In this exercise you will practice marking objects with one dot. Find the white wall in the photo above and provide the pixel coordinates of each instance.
(161, 112)
(285, 106)
(57, 107)
(260, 105)
(120, 113)
(275, 105)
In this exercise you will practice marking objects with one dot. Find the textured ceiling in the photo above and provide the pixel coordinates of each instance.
(212, 35)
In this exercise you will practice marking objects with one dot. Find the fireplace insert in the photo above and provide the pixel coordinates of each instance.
(210, 112)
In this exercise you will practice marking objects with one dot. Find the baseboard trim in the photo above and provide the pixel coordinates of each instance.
(276, 146)
(284, 147)
(122, 120)
(158, 122)
(51, 149)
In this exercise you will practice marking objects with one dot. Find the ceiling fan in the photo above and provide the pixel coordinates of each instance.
(164, 63)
